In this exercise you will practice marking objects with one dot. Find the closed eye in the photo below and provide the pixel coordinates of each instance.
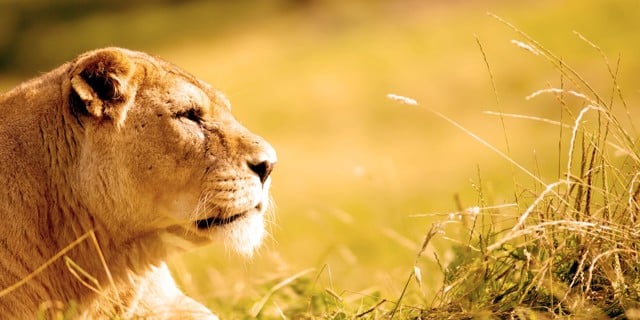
(193, 114)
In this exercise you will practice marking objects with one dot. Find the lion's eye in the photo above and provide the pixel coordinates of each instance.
(190, 114)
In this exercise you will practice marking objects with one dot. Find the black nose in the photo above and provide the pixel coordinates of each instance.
(262, 169)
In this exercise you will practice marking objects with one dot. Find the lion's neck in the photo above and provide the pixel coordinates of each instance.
(69, 253)
(72, 256)
(59, 251)
(82, 257)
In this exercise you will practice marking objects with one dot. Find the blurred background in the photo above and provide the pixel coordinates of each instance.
(354, 169)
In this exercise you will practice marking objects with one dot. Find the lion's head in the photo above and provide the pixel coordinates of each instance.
(163, 146)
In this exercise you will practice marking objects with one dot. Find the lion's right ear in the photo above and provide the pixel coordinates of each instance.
(101, 81)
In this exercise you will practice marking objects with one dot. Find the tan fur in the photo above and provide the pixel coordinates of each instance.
(135, 150)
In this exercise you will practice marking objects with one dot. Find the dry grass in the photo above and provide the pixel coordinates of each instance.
(573, 250)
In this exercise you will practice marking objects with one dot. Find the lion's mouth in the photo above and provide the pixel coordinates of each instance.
(208, 223)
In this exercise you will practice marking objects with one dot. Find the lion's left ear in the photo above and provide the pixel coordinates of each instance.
(101, 80)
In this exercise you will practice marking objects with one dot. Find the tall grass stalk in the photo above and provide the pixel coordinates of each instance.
(573, 250)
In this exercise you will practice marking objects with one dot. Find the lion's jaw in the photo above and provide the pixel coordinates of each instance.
(243, 235)
(246, 232)
(240, 225)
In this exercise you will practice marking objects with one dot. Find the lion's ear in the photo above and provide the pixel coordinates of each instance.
(101, 80)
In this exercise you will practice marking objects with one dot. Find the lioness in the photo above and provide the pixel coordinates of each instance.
(108, 164)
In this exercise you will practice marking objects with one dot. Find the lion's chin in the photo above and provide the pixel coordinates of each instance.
(245, 235)
(242, 233)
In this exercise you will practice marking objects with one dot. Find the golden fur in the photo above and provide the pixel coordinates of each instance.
(131, 149)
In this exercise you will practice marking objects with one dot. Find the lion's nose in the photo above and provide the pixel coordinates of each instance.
(262, 164)
(262, 169)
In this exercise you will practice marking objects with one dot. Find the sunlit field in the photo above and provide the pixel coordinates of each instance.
(362, 179)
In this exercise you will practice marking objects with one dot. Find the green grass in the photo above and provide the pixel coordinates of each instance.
(362, 179)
